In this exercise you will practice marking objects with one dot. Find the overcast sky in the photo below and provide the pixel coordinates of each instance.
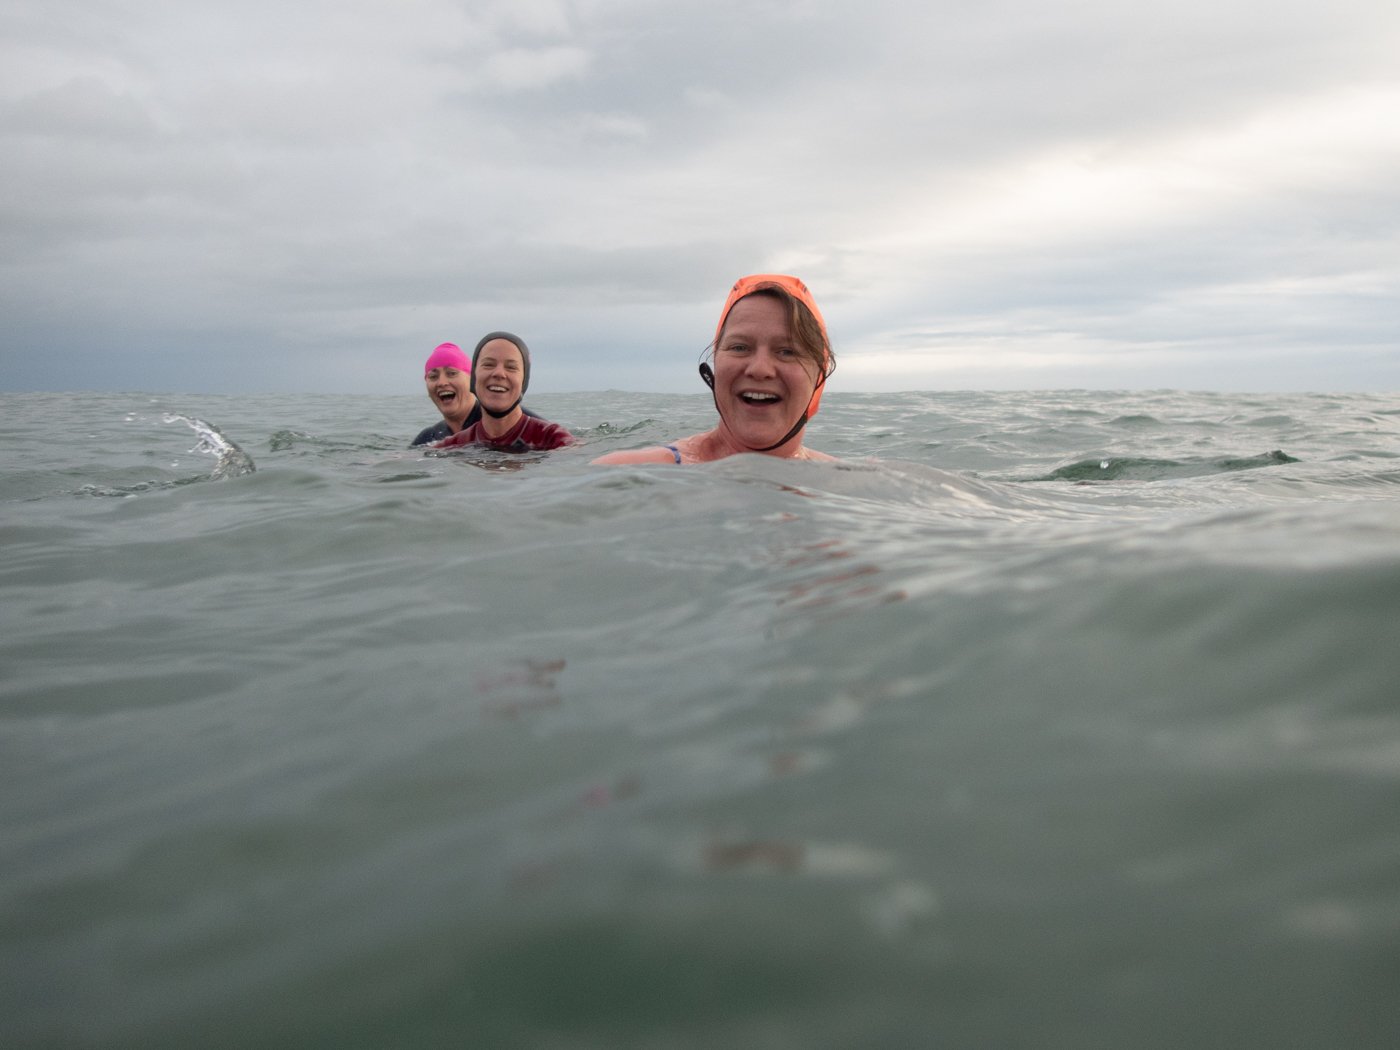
(296, 195)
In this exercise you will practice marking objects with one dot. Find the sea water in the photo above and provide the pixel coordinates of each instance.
(1061, 719)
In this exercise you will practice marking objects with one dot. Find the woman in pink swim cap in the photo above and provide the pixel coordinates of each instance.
(771, 359)
(448, 376)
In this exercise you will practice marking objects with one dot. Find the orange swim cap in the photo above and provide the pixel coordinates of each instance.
(757, 282)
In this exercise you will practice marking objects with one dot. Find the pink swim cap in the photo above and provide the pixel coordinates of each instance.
(448, 355)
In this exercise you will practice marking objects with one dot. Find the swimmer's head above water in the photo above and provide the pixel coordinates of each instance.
(447, 375)
(806, 330)
(510, 352)
(766, 369)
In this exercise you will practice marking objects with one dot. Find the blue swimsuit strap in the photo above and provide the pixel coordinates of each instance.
(674, 451)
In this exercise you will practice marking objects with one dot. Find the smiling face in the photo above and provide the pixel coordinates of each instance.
(500, 375)
(450, 390)
(763, 378)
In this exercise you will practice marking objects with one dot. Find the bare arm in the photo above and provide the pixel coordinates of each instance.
(655, 454)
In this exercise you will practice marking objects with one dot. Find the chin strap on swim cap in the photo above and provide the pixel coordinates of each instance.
(796, 427)
(802, 420)
(493, 413)
(708, 375)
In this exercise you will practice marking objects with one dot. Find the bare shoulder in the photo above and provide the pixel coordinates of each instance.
(693, 449)
(811, 453)
(655, 454)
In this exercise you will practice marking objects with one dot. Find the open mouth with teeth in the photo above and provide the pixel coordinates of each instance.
(447, 395)
(759, 398)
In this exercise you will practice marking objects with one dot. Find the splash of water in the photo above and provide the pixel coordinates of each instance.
(232, 462)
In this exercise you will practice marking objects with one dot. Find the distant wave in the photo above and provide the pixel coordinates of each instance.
(1131, 468)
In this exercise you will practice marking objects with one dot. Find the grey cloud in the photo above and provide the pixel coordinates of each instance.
(271, 182)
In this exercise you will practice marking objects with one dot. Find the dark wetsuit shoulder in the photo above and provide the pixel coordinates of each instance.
(437, 432)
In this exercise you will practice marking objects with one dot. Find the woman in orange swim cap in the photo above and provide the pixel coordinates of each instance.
(771, 359)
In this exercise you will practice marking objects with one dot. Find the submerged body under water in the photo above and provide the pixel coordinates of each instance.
(1041, 720)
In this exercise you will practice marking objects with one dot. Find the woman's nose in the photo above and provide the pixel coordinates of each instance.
(762, 362)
